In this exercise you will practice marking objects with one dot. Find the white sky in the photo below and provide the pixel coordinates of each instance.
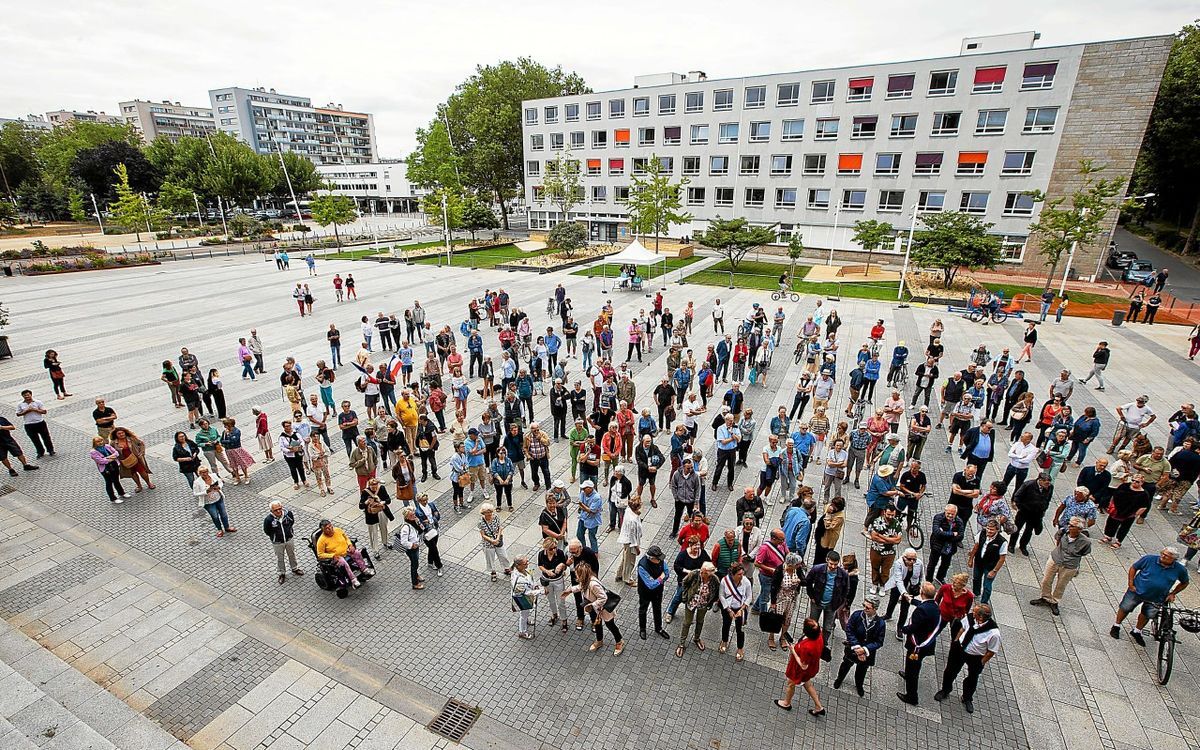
(398, 59)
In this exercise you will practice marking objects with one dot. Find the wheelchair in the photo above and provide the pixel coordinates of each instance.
(330, 576)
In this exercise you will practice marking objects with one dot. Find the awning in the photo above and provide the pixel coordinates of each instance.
(621, 135)
(593, 163)
(972, 157)
(850, 162)
(618, 164)
(862, 83)
(901, 83)
(866, 120)
(1038, 70)
(929, 159)
(637, 254)
(672, 132)
(990, 75)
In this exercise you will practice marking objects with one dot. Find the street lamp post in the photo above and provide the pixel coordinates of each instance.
(837, 209)
(912, 228)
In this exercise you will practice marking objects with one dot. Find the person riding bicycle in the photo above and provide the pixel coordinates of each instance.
(809, 330)
(899, 362)
(784, 286)
(1154, 580)
(877, 332)
(993, 303)
(911, 485)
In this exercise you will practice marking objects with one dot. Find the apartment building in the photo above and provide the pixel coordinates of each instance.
(272, 122)
(63, 116)
(812, 152)
(167, 119)
(33, 122)
(380, 187)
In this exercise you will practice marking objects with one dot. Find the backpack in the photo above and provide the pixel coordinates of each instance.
(360, 385)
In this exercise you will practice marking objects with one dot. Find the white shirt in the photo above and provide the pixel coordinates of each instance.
(1135, 415)
(718, 312)
(982, 642)
(26, 412)
(1021, 455)
(200, 489)
(823, 387)
(284, 444)
(408, 535)
(735, 597)
(631, 529)
(317, 413)
(899, 570)
(368, 330)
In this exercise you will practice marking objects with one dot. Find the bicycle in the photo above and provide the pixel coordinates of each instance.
(1164, 633)
(779, 294)
(980, 315)
(901, 378)
(801, 348)
(913, 530)
(858, 411)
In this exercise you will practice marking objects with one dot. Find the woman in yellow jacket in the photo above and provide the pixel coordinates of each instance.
(333, 544)
(408, 412)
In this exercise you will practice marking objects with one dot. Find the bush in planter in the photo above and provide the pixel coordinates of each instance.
(40, 249)
(301, 228)
(11, 255)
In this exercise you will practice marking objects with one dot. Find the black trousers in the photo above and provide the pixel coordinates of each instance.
(385, 338)
(957, 659)
(919, 390)
(476, 359)
(560, 423)
(738, 624)
(894, 598)
(414, 562)
(39, 435)
(112, 481)
(849, 660)
(679, 511)
(650, 600)
(938, 565)
(428, 464)
(503, 490)
(432, 556)
(296, 467)
(725, 460)
(799, 404)
(543, 465)
(912, 674)
(1027, 525)
(634, 348)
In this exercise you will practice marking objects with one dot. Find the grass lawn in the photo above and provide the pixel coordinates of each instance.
(368, 251)
(486, 258)
(646, 272)
(1083, 298)
(762, 275)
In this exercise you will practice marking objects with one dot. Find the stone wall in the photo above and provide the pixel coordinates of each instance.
(1105, 121)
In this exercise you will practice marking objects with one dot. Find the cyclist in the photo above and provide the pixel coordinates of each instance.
(877, 333)
(784, 286)
(1154, 580)
(858, 379)
(810, 330)
(899, 362)
(911, 486)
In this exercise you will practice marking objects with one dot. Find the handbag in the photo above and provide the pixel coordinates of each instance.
(430, 535)
(129, 461)
(464, 480)
(610, 604)
(1044, 460)
(770, 622)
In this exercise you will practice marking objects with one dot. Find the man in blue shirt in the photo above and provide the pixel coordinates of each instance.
(979, 445)
(475, 348)
(899, 360)
(797, 528)
(724, 349)
(804, 442)
(881, 492)
(1153, 580)
(728, 437)
(553, 344)
(590, 507)
(476, 450)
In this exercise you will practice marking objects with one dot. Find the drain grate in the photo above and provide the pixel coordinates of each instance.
(454, 720)
(6, 489)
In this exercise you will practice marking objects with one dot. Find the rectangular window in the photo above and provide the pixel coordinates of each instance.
(571, 112)
(793, 130)
(621, 137)
(785, 197)
(928, 163)
(599, 194)
(694, 101)
(722, 100)
(616, 108)
(727, 133)
(901, 86)
(755, 197)
(691, 165)
(616, 166)
(943, 82)
(988, 80)
(639, 165)
(946, 123)
(695, 196)
(593, 167)
(556, 141)
(827, 128)
(864, 126)
(749, 165)
(530, 115)
(854, 200)
(1012, 247)
(887, 164)
(849, 164)
(973, 202)
(537, 142)
(822, 92)
(621, 194)
(1018, 204)
(781, 165)
(814, 165)
(593, 110)
(756, 97)
(904, 126)
(533, 168)
(860, 89)
(723, 197)
(537, 193)
(699, 135)
(1038, 76)
(818, 198)
(971, 163)
(718, 165)
(645, 136)
(1017, 162)
(672, 135)
(786, 231)
(666, 164)
(641, 106)
(787, 95)
(666, 104)
(576, 139)
(991, 121)
(1040, 119)
(599, 139)
(760, 132)
(551, 115)
(891, 200)
(931, 201)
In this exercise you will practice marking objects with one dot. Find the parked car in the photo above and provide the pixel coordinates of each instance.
(1120, 258)
(1139, 272)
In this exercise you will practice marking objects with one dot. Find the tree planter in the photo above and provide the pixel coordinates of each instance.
(96, 268)
(5, 351)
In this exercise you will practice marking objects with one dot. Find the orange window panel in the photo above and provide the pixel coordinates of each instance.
(850, 162)
(972, 157)
(621, 136)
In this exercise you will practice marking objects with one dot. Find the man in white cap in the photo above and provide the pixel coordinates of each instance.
(591, 510)
(1070, 546)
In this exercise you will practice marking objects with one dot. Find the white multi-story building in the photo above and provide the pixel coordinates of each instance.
(63, 116)
(272, 122)
(167, 119)
(33, 122)
(814, 151)
(377, 187)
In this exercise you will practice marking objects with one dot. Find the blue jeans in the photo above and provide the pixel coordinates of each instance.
(676, 600)
(389, 399)
(982, 585)
(1045, 311)
(367, 338)
(581, 531)
(764, 592)
(335, 356)
(248, 368)
(587, 360)
(216, 511)
(1078, 448)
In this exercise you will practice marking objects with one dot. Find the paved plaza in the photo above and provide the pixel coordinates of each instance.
(195, 637)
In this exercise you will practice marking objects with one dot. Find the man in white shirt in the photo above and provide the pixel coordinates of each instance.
(1134, 417)
(822, 390)
(1020, 457)
(318, 416)
(718, 316)
(631, 542)
(977, 644)
(33, 412)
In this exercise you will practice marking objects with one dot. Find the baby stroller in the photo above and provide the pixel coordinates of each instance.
(330, 575)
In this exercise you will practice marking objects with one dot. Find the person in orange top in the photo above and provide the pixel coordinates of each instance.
(696, 528)
(804, 661)
(611, 446)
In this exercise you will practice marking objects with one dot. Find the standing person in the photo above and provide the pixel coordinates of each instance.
(237, 458)
(920, 640)
(57, 376)
(209, 491)
(883, 534)
(33, 413)
(428, 519)
(735, 604)
(804, 662)
(186, 454)
(700, 590)
(492, 533)
(363, 459)
(216, 389)
(105, 417)
(596, 599)
(945, 537)
(591, 512)
(552, 565)
(132, 457)
(409, 539)
(1070, 546)
(108, 463)
(1029, 338)
(291, 447)
(247, 359)
(1099, 363)
(652, 576)
(986, 559)
(1128, 503)
(351, 291)
(973, 649)
(278, 527)
(1152, 306)
(298, 295)
(170, 376)
(256, 348)
(1031, 501)
(926, 375)
(1047, 301)
(375, 502)
(828, 589)
(631, 542)
(864, 630)
(1134, 418)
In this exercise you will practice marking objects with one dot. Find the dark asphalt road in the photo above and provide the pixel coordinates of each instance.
(1184, 280)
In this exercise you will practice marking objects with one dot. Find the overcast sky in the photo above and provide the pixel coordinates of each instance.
(397, 60)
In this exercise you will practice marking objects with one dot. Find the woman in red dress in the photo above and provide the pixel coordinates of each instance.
(804, 661)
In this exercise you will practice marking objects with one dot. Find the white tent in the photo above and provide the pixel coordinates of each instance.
(635, 254)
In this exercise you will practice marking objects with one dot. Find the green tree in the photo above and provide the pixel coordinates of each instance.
(1075, 218)
(8, 214)
(19, 145)
(431, 205)
(434, 163)
(477, 215)
(484, 115)
(58, 148)
(335, 210)
(656, 201)
(562, 185)
(733, 238)
(175, 199)
(302, 172)
(43, 200)
(95, 168)
(76, 206)
(795, 251)
(568, 236)
(234, 172)
(954, 240)
(131, 211)
(872, 235)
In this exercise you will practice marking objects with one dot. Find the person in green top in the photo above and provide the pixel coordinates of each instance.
(576, 437)
(209, 441)
(727, 552)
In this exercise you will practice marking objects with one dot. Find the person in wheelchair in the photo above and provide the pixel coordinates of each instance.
(334, 546)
